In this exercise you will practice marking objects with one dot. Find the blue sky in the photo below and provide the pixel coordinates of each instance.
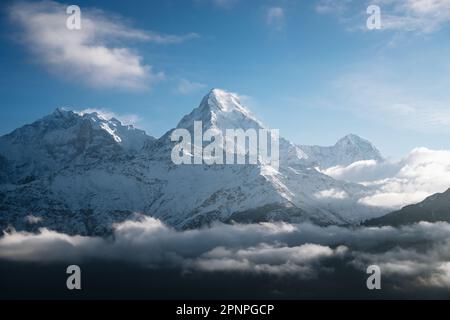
(310, 68)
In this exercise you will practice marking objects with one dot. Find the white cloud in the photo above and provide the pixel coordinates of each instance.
(441, 277)
(149, 241)
(275, 18)
(363, 171)
(423, 172)
(395, 184)
(416, 15)
(97, 54)
(47, 245)
(394, 199)
(186, 87)
(126, 119)
(419, 16)
(410, 265)
(331, 194)
(266, 258)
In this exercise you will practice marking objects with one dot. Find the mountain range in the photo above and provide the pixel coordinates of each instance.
(80, 173)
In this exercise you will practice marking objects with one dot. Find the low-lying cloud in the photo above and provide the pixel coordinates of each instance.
(303, 260)
(419, 253)
(421, 173)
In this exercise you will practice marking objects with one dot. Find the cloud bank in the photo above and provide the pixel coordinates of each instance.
(418, 254)
(421, 173)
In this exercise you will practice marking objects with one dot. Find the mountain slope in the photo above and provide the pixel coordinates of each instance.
(432, 209)
(79, 173)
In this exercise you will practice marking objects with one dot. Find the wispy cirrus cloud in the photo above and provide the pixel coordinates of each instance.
(187, 87)
(395, 94)
(419, 16)
(98, 55)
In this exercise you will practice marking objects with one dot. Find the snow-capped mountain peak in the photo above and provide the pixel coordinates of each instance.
(127, 136)
(65, 137)
(98, 124)
(223, 101)
(221, 110)
(354, 140)
(346, 151)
